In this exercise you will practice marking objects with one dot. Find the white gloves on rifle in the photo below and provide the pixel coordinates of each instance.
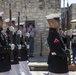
(27, 34)
(19, 46)
(19, 32)
(11, 28)
(27, 46)
(12, 46)
(69, 32)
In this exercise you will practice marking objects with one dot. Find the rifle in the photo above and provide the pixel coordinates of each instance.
(19, 34)
(11, 28)
(27, 37)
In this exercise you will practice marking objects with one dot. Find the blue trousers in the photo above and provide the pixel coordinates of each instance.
(31, 46)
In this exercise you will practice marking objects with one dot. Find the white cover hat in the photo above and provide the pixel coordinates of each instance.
(53, 15)
(21, 23)
(7, 20)
(19, 32)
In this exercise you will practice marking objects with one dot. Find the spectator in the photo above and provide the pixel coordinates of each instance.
(32, 32)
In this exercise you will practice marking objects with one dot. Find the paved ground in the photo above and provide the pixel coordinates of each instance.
(38, 59)
(46, 73)
(41, 59)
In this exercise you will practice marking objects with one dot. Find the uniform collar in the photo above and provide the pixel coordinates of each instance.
(53, 29)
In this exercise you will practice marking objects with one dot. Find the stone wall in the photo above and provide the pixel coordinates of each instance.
(72, 13)
(34, 10)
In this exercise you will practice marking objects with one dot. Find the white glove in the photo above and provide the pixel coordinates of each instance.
(12, 46)
(19, 46)
(69, 32)
(11, 28)
(27, 46)
(19, 32)
(25, 43)
(27, 34)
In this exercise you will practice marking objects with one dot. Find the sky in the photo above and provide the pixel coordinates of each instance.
(69, 1)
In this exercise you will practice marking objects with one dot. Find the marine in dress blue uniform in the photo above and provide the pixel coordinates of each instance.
(5, 64)
(23, 55)
(15, 68)
(57, 59)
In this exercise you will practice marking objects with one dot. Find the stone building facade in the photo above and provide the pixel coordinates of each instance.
(72, 14)
(35, 10)
(64, 18)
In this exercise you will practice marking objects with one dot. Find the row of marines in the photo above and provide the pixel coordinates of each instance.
(13, 50)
